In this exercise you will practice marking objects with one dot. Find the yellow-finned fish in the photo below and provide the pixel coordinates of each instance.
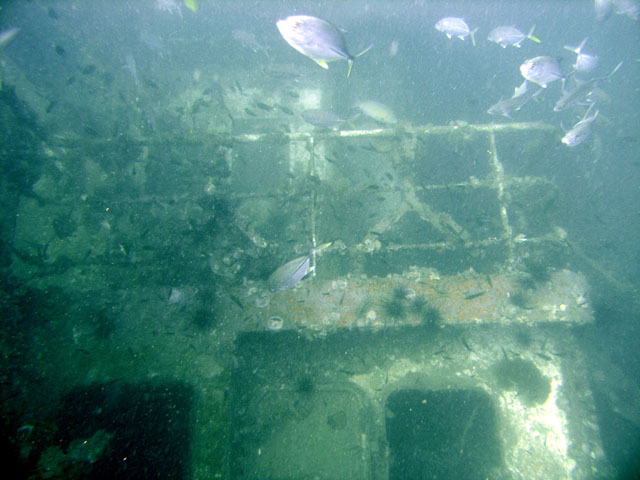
(456, 27)
(581, 130)
(510, 36)
(585, 62)
(541, 70)
(317, 39)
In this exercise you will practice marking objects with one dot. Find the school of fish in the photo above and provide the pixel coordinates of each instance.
(323, 42)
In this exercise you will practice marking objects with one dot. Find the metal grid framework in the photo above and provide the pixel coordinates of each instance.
(331, 305)
(424, 237)
(309, 157)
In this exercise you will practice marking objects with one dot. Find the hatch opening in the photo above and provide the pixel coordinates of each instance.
(444, 434)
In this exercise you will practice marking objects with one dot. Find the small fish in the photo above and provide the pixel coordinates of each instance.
(378, 111)
(522, 89)
(322, 118)
(289, 274)
(581, 130)
(510, 36)
(236, 300)
(506, 107)
(473, 296)
(60, 51)
(264, 106)
(541, 70)
(88, 70)
(456, 27)
(317, 39)
(584, 61)
(370, 147)
(582, 93)
(285, 110)
(149, 82)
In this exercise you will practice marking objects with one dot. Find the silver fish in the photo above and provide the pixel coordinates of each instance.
(581, 130)
(289, 274)
(584, 62)
(506, 107)
(582, 93)
(455, 27)
(541, 70)
(317, 39)
(322, 118)
(522, 89)
(506, 36)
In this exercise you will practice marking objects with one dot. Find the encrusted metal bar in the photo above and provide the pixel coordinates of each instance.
(498, 170)
(477, 183)
(387, 132)
(76, 142)
(313, 208)
(434, 246)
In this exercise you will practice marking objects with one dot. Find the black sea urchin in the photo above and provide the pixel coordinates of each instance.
(394, 308)
(539, 271)
(305, 384)
(431, 316)
(399, 293)
(522, 299)
(417, 305)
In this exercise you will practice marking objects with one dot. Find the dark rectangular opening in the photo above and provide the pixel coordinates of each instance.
(127, 430)
(443, 434)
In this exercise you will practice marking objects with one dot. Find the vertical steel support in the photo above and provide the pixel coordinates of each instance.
(312, 172)
(498, 171)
